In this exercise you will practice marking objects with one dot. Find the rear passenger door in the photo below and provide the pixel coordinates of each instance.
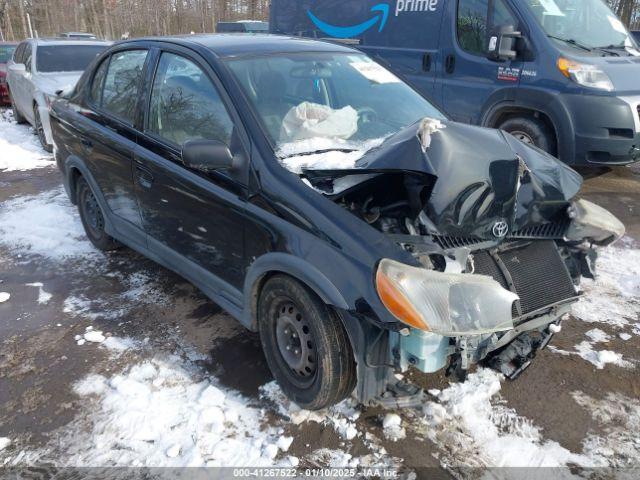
(108, 140)
(194, 220)
(468, 78)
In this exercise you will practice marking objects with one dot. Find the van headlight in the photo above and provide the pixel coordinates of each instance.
(585, 74)
(447, 304)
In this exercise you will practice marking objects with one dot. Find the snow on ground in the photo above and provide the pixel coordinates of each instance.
(4, 296)
(19, 147)
(43, 296)
(161, 413)
(46, 224)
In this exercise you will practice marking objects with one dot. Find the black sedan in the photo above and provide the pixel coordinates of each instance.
(325, 204)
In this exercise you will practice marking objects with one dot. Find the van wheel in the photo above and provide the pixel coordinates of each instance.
(532, 131)
(305, 344)
(17, 116)
(93, 218)
(40, 131)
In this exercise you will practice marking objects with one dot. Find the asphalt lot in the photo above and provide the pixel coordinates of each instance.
(113, 360)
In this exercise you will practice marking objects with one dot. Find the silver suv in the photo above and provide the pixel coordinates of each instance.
(39, 69)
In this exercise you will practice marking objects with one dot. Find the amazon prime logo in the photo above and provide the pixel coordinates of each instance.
(500, 229)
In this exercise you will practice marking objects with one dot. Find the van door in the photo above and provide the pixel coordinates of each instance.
(467, 77)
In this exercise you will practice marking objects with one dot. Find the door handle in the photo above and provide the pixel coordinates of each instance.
(144, 177)
(426, 62)
(450, 64)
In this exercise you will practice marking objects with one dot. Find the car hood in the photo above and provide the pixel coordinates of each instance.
(51, 83)
(477, 177)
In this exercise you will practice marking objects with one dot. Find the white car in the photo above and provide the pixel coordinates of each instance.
(39, 69)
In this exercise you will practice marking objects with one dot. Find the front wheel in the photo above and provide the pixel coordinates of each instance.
(305, 344)
(532, 131)
(40, 131)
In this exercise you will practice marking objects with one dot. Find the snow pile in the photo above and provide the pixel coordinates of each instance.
(342, 417)
(475, 430)
(158, 414)
(20, 148)
(599, 358)
(4, 443)
(392, 427)
(619, 417)
(4, 296)
(45, 224)
(614, 297)
(43, 296)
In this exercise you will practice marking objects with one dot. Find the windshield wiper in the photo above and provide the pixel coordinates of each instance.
(318, 152)
(572, 42)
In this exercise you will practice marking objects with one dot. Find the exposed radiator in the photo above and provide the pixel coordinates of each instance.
(538, 273)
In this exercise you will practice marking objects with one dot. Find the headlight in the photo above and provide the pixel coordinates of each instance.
(585, 74)
(444, 303)
(592, 222)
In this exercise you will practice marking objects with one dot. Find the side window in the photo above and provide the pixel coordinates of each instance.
(120, 92)
(98, 82)
(26, 57)
(474, 23)
(185, 105)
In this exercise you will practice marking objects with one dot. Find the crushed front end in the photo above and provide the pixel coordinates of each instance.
(498, 237)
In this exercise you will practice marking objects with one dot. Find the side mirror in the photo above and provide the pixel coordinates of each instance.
(206, 155)
(18, 67)
(503, 44)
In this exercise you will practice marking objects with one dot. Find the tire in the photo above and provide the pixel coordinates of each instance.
(532, 131)
(92, 218)
(17, 116)
(40, 130)
(323, 371)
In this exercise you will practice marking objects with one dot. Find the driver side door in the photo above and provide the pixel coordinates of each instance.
(194, 220)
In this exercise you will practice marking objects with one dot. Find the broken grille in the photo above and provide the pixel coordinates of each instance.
(546, 231)
(536, 272)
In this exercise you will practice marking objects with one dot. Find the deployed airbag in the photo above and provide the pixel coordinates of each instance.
(311, 120)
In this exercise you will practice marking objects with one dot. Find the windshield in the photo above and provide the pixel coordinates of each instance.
(588, 23)
(327, 101)
(6, 52)
(66, 58)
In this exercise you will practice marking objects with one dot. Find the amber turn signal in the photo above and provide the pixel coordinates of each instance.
(397, 303)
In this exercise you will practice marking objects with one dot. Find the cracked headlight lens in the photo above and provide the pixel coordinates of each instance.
(447, 304)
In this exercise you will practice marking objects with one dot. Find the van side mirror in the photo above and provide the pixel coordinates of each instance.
(18, 67)
(206, 155)
(503, 44)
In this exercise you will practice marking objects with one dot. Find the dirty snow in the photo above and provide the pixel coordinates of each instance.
(43, 296)
(4, 296)
(20, 147)
(45, 224)
(4, 443)
(160, 413)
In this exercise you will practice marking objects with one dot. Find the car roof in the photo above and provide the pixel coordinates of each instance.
(8, 44)
(67, 41)
(240, 44)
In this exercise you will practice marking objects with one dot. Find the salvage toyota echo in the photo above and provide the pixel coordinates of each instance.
(328, 206)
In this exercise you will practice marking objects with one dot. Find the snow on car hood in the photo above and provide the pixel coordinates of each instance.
(50, 83)
(482, 176)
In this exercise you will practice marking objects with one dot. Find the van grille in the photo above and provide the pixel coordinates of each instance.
(540, 276)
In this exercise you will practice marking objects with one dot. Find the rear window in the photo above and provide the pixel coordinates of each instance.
(66, 58)
(6, 52)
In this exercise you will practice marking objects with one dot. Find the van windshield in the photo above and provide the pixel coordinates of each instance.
(586, 24)
(328, 101)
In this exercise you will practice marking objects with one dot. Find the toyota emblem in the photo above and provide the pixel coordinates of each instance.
(500, 229)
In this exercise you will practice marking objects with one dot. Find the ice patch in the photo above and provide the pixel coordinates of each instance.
(4, 296)
(598, 336)
(20, 148)
(43, 297)
(46, 225)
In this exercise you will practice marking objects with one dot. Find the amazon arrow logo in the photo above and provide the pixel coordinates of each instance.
(381, 15)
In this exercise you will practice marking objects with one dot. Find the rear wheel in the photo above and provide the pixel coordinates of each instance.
(93, 218)
(17, 116)
(305, 344)
(40, 130)
(532, 131)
